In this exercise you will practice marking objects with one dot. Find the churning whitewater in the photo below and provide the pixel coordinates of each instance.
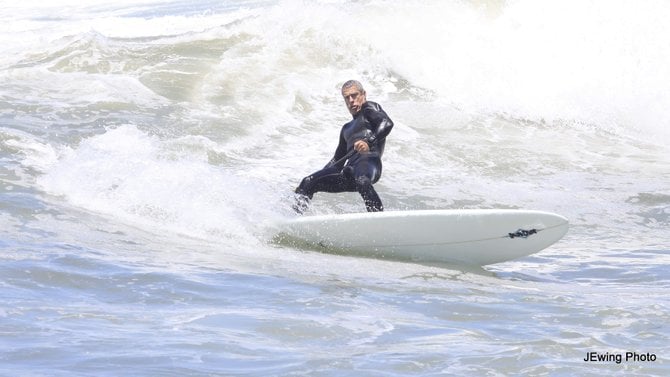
(149, 148)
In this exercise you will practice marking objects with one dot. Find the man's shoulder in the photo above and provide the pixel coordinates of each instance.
(372, 106)
(373, 110)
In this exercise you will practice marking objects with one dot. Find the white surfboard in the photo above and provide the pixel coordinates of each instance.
(471, 237)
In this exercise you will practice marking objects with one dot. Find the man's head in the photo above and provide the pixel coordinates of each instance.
(354, 96)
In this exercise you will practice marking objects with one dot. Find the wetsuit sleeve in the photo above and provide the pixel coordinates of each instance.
(340, 152)
(380, 121)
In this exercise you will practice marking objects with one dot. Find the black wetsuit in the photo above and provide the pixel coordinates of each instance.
(360, 170)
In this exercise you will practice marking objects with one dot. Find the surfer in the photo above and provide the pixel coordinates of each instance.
(357, 164)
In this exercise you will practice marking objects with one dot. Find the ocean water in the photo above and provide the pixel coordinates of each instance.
(147, 148)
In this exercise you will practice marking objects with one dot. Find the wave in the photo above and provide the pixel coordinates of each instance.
(597, 63)
(497, 104)
(158, 184)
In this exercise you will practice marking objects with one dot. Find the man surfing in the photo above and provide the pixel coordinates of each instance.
(357, 164)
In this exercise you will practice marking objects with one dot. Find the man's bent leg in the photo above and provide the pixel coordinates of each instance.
(328, 180)
(370, 197)
(366, 172)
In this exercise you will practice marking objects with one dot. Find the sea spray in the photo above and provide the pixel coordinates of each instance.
(142, 179)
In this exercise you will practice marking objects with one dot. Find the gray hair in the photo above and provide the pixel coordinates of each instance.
(354, 83)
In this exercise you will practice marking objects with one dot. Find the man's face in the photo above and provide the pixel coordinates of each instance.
(354, 99)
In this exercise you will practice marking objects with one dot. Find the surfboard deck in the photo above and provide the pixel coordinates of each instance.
(470, 237)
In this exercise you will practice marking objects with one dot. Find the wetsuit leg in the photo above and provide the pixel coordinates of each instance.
(330, 179)
(366, 172)
(358, 177)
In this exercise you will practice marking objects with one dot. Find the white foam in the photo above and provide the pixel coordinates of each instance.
(585, 61)
(138, 178)
(578, 60)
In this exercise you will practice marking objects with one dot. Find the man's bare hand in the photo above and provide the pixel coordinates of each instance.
(361, 146)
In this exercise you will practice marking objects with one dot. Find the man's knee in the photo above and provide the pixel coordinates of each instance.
(363, 183)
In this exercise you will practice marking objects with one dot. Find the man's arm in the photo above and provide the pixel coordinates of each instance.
(380, 121)
(340, 152)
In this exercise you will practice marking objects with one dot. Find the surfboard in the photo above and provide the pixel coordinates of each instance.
(470, 237)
